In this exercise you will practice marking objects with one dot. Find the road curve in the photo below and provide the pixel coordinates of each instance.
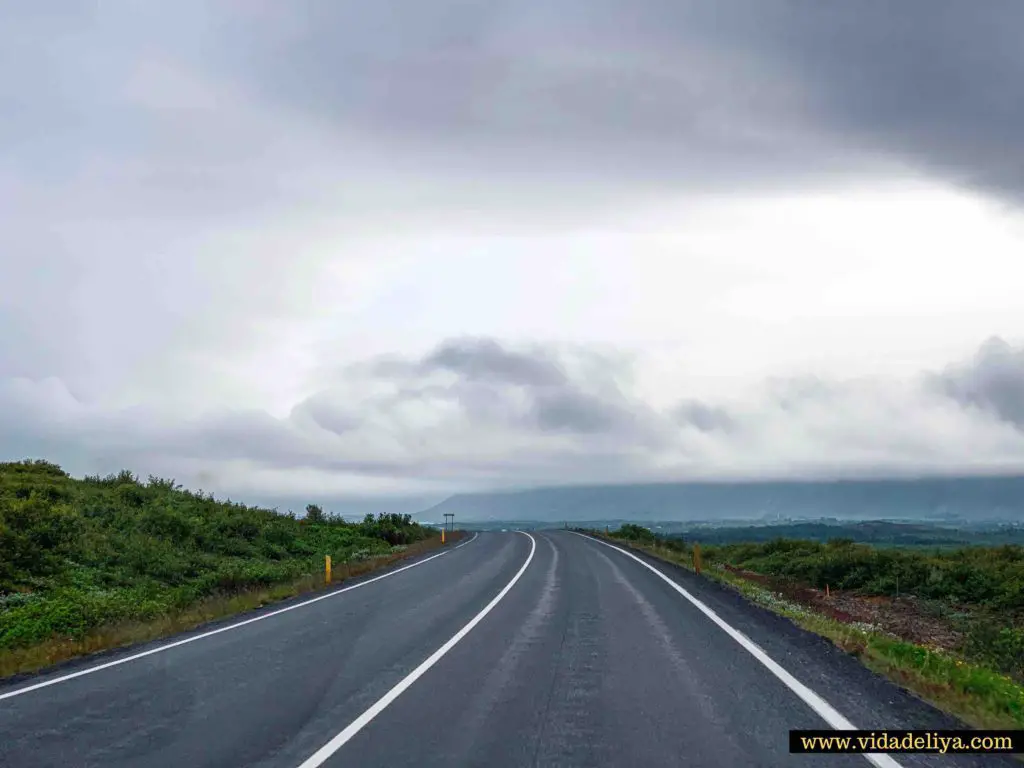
(514, 650)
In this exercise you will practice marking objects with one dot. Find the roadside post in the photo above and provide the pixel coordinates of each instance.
(327, 569)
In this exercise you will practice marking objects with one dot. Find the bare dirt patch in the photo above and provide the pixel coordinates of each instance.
(905, 617)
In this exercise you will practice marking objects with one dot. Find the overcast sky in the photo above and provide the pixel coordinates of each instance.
(318, 250)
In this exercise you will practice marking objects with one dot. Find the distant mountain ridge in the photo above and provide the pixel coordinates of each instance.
(949, 499)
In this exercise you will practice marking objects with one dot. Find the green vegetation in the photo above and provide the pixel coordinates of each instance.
(880, 533)
(77, 556)
(982, 576)
(978, 590)
(981, 588)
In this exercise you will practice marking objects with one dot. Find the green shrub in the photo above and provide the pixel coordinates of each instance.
(633, 532)
(992, 642)
(986, 576)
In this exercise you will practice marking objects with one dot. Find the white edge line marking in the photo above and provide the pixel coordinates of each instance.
(261, 617)
(324, 753)
(827, 712)
(460, 546)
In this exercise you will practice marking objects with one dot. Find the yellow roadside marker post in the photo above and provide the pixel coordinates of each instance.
(327, 569)
(442, 535)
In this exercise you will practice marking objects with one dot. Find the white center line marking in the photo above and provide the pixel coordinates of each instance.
(825, 710)
(321, 755)
(261, 617)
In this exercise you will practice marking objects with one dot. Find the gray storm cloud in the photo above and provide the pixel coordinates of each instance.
(688, 93)
(181, 181)
(485, 359)
(171, 100)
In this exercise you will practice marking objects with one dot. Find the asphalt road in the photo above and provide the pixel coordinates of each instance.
(548, 649)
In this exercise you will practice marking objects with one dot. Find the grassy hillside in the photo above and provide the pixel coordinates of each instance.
(80, 554)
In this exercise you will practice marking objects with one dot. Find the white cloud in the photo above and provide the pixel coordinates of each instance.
(476, 413)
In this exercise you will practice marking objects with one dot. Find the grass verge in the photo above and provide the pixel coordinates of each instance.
(975, 694)
(54, 650)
